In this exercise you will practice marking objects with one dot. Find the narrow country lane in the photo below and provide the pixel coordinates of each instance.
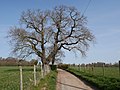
(67, 81)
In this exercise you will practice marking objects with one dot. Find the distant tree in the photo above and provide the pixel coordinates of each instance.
(83, 65)
(46, 33)
(116, 64)
(10, 61)
(34, 62)
(0, 58)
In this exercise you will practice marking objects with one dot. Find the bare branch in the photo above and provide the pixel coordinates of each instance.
(45, 33)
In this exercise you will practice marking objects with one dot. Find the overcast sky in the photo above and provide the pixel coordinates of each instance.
(103, 20)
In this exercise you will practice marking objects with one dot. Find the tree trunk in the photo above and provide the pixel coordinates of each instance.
(45, 69)
(53, 60)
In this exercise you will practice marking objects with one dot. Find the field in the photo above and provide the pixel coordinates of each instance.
(10, 77)
(106, 78)
(106, 71)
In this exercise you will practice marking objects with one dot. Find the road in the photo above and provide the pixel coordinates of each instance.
(67, 81)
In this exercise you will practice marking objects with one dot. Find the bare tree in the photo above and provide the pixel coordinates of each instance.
(31, 37)
(46, 33)
(69, 31)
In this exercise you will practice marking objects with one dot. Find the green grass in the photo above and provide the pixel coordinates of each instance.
(48, 83)
(10, 78)
(103, 82)
(108, 71)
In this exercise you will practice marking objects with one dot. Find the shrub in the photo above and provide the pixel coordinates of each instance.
(63, 66)
(53, 67)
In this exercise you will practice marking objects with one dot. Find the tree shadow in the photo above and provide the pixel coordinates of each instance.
(90, 84)
(71, 86)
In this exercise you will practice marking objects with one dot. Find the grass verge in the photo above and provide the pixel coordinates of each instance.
(102, 82)
(48, 83)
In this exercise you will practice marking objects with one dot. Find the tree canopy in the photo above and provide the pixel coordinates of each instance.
(46, 33)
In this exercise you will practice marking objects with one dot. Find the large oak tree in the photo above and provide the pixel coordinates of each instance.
(46, 33)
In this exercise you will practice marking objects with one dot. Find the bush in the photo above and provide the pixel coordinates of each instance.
(53, 67)
(63, 66)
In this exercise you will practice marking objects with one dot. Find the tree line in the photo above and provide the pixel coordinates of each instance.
(10, 61)
(97, 64)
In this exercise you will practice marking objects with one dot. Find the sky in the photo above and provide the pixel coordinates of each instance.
(103, 18)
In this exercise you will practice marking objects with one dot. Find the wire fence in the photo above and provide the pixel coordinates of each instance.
(10, 77)
(109, 71)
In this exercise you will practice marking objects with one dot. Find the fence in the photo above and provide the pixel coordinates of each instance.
(108, 71)
(19, 78)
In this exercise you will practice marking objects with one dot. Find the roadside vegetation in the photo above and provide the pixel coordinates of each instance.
(102, 82)
(10, 79)
(48, 83)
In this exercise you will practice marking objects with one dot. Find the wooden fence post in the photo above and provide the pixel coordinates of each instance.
(21, 78)
(93, 68)
(42, 75)
(89, 67)
(103, 69)
(35, 75)
(119, 68)
(79, 67)
(84, 68)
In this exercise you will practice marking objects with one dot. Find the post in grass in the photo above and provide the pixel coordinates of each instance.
(79, 67)
(42, 76)
(35, 83)
(103, 65)
(93, 68)
(119, 68)
(21, 78)
(89, 67)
